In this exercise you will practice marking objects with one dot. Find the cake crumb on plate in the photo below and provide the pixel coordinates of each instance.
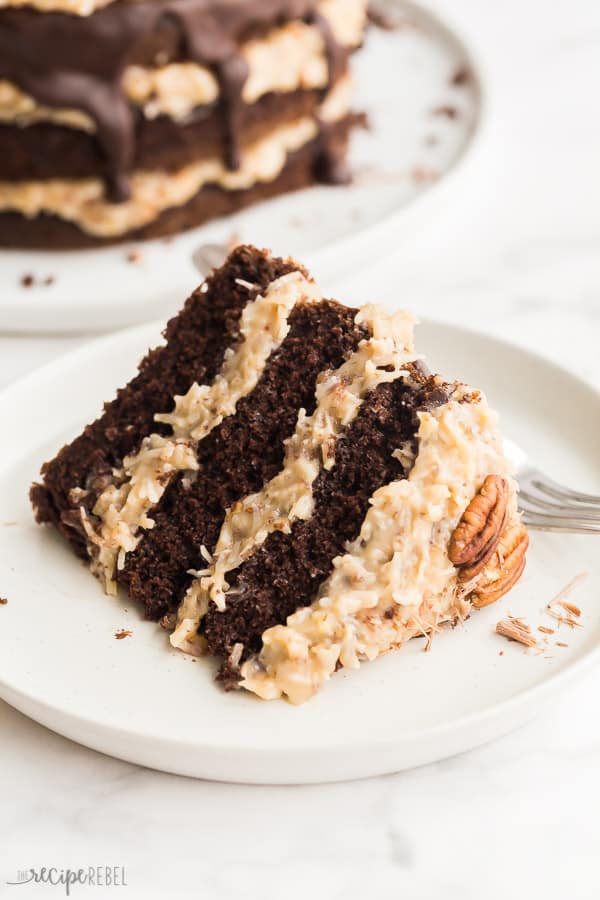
(123, 633)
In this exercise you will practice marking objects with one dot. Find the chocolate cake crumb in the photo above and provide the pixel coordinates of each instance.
(29, 280)
(123, 633)
(3, 601)
(445, 110)
(134, 256)
(421, 175)
(461, 76)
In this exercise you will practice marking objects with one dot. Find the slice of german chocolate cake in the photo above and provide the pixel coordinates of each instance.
(284, 485)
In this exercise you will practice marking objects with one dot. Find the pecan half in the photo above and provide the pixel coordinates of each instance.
(504, 569)
(478, 532)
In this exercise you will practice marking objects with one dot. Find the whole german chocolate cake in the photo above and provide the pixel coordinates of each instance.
(284, 485)
(138, 118)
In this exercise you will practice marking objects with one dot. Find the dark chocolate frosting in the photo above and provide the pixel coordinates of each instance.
(77, 62)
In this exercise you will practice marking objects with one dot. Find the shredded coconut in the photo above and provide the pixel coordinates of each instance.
(122, 508)
(83, 201)
(264, 325)
(396, 580)
(290, 57)
(288, 496)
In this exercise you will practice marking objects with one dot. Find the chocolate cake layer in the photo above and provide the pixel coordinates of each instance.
(77, 62)
(287, 570)
(321, 160)
(45, 150)
(237, 457)
(196, 342)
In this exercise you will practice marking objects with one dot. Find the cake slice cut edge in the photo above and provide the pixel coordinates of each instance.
(307, 497)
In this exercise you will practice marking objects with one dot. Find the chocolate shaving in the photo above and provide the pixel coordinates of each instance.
(564, 620)
(570, 608)
(516, 630)
(568, 589)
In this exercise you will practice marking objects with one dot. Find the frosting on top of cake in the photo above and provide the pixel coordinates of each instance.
(288, 58)
(77, 62)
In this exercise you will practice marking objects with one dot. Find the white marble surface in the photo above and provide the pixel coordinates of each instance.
(519, 257)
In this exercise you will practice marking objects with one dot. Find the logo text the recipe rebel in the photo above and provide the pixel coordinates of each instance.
(92, 876)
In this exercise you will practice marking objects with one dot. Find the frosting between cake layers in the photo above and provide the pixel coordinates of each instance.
(264, 325)
(288, 496)
(396, 580)
(289, 58)
(83, 201)
(122, 508)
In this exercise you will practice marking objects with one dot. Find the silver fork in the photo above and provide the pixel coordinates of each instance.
(549, 506)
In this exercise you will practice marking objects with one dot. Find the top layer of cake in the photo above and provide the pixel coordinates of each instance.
(285, 485)
(87, 7)
(168, 57)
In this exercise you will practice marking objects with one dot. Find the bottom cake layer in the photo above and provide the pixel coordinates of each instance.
(321, 159)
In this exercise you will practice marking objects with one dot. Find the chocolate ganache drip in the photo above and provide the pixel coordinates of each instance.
(77, 62)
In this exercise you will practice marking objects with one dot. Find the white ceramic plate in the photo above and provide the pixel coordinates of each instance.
(402, 78)
(139, 700)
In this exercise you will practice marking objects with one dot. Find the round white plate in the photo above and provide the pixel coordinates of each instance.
(137, 699)
(422, 126)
